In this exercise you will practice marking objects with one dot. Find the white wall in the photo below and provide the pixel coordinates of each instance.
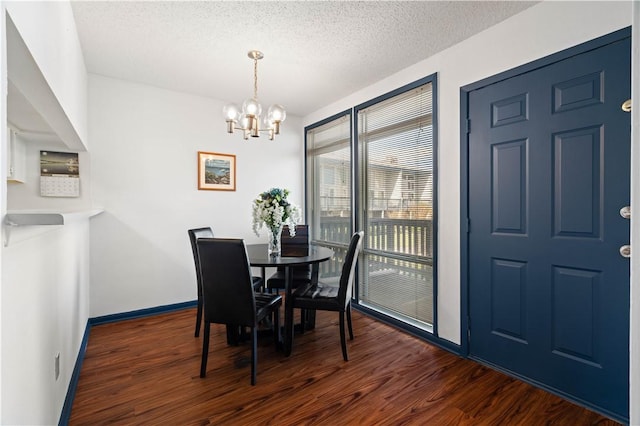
(26, 195)
(144, 144)
(539, 31)
(44, 277)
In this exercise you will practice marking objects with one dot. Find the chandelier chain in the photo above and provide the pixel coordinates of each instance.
(255, 78)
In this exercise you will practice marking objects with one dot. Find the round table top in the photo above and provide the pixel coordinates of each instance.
(258, 256)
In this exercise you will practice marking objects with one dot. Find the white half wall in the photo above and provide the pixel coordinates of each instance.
(144, 144)
(45, 304)
(539, 31)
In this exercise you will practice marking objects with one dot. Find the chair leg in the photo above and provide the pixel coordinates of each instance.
(276, 327)
(205, 349)
(310, 319)
(343, 340)
(349, 322)
(303, 320)
(289, 329)
(198, 316)
(254, 354)
(233, 335)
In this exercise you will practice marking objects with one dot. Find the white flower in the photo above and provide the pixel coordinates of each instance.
(272, 210)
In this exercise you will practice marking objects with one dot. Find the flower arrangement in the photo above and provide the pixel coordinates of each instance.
(272, 210)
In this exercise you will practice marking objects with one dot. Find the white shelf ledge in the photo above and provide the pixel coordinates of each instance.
(34, 218)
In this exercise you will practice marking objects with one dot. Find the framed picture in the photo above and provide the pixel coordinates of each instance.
(216, 171)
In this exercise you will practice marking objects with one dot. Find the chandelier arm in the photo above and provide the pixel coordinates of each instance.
(259, 130)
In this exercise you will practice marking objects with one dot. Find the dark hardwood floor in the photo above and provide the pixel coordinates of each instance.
(146, 372)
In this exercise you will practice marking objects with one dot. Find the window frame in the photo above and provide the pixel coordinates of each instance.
(407, 326)
(307, 204)
(355, 202)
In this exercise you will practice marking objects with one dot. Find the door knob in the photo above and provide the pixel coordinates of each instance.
(625, 212)
(625, 251)
(626, 105)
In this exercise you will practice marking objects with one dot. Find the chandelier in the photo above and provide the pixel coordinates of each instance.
(248, 119)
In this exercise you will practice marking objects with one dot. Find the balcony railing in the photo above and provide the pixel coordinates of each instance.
(332, 204)
(412, 237)
(396, 271)
(400, 239)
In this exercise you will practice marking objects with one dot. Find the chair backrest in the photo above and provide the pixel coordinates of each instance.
(194, 234)
(349, 267)
(227, 287)
(296, 246)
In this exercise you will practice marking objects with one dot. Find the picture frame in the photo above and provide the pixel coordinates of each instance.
(216, 172)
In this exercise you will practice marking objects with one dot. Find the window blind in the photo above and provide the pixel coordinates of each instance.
(395, 142)
(329, 181)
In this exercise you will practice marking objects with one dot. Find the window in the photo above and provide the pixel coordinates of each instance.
(329, 200)
(395, 145)
(382, 183)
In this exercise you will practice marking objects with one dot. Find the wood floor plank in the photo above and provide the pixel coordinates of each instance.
(146, 372)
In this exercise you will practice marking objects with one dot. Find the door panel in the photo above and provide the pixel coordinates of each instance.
(549, 170)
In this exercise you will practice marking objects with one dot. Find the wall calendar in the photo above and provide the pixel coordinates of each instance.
(59, 174)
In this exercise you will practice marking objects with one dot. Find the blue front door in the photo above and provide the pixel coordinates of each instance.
(549, 171)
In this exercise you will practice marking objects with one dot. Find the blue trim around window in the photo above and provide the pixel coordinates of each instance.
(431, 337)
(434, 208)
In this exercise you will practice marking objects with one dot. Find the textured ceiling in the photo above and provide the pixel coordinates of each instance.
(315, 52)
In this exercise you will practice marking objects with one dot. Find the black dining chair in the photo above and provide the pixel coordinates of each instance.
(229, 297)
(324, 297)
(295, 246)
(194, 234)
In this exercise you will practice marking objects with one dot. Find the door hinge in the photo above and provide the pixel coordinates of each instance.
(468, 126)
(468, 225)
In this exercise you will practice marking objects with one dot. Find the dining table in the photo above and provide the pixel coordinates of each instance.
(259, 257)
